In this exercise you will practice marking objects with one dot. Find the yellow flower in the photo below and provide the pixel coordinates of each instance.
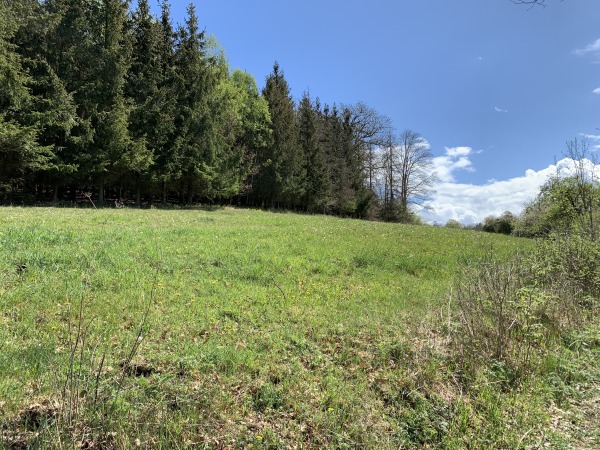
(259, 437)
(329, 409)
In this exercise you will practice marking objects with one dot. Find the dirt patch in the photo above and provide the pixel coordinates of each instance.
(23, 430)
(138, 369)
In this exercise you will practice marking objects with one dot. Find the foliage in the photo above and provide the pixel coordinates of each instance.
(503, 224)
(283, 182)
(569, 200)
(453, 223)
(317, 192)
(20, 151)
(115, 102)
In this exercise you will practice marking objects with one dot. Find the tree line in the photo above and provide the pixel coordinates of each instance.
(101, 99)
(568, 201)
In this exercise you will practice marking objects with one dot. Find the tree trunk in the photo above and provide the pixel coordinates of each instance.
(55, 195)
(101, 192)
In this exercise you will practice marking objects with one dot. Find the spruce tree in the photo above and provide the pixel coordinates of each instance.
(20, 151)
(52, 107)
(195, 81)
(317, 182)
(282, 170)
(165, 170)
(353, 161)
(148, 126)
(112, 151)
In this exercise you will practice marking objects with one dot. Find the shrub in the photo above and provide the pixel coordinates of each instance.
(503, 224)
(569, 265)
(500, 317)
(453, 223)
(511, 312)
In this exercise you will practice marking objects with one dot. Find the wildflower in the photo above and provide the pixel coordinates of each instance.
(259, 437)
(329, 409)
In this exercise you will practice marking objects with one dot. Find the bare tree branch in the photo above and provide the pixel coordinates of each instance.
(531, 3)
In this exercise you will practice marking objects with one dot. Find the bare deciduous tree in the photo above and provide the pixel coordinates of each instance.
(416, 170)
(370, 129)
(586, 185)
(408, 175)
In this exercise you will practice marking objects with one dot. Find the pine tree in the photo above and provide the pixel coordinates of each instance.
(195, 149)
(165, 169)
(20, 152)
(52, 107)
(282, 174)
(149, 126)
(317, 182)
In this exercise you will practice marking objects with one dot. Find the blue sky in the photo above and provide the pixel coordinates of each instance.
(495, 88)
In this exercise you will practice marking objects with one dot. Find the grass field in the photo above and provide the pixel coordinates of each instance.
(233, 328)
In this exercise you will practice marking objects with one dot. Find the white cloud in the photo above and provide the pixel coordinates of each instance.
(455, 158)
(470, 204)
(458, 151)
(500, 110)
(596, 91)
(592, 48)
(593, 137)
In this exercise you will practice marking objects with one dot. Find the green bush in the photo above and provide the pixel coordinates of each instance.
(515, 312)
(502, 315)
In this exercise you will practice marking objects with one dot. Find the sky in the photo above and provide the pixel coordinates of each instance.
(497, 89)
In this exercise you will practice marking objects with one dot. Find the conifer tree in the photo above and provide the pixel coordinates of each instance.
(282, 170)
(68, 46)
(165, 169)
(354, 157)
(149, 125)
(20, 151)
(195, 150)
(317, 182)
(52, 107)
(112, 150)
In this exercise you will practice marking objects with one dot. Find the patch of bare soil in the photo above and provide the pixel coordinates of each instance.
(25, 428)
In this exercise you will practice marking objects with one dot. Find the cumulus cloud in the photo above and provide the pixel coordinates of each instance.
(455, 158)
(590, 49)
(470, 204)
(500, 110)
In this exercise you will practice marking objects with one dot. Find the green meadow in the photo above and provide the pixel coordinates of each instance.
(232, 328)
